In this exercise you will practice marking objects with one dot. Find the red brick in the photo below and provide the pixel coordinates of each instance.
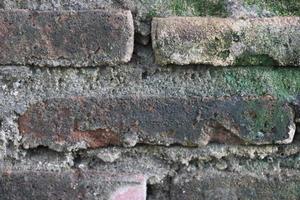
(65, 38)
(71, 184)
(72, 123)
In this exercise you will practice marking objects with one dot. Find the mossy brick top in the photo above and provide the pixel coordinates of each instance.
(279, 8)
(65, 38)
(226, 41)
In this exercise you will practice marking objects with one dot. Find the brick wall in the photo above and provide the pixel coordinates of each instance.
(149, 99)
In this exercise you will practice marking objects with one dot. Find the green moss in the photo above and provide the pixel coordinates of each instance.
(280, 7)
(224, 54)
(220, 46)
(283, 83)
(266, 118)
(22, 4)
(256, 60)
(199, 7)
(244, 81)
(152, 13)
(286, 82)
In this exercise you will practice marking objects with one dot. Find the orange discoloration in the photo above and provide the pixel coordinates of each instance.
(218, 133)
(96, 138)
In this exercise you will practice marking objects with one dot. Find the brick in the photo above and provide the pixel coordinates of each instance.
(103, 186)
(90, 122)
(25, 185)
(66, 38)
(71, 184)
(226, 41)
(213, 185)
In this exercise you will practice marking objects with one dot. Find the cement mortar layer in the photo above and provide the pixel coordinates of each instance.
(160, 163)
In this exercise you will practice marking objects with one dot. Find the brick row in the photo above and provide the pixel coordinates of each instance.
(211, 184)
(90, 122)
(106, 37)
(70, 184)
(226, 41)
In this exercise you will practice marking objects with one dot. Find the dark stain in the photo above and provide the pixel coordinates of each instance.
(101, 122)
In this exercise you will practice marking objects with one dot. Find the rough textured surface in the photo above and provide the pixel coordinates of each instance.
(144, 10)
(91, 122)
(212, 184)
(96, 163)
(165, 167)
(64, 38)
(223, 42)
(19, 185)
(272, 8)
(22, 87)
(70, 184)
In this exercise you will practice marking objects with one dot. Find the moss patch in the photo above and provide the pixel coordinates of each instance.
(199, 7)
(256, 60)
(283, 83)
(266, 119)
(278, 7)
(152, 13)
(220, 46)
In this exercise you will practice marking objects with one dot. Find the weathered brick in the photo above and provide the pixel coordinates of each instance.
(227, 41)
(25, 185)
(71, 184)
(214, 185)
(65, 38)
(80, 122)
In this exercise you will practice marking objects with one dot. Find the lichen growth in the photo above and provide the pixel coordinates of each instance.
(266, 119)
(282, 83)
(255, 60)
(165, 8)
(152, 13)
(199, 7)
(220, 46)
(282, 7)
